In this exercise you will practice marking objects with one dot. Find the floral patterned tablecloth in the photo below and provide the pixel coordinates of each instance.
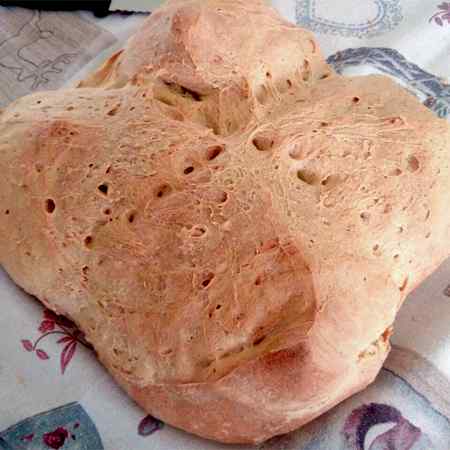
(53, 392)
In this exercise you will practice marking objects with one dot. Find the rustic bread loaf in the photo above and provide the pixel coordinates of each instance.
(233, 226)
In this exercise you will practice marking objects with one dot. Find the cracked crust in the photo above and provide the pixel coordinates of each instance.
(235, 236)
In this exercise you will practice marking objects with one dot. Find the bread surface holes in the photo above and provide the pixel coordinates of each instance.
(307, 176)
(413, 163)
(50, 206)
(213, 152)
(263, 143)
(207, 280)
(88, 241)
(104, 188)
(163, 190)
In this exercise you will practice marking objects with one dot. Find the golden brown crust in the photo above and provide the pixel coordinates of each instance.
(217, 61)
(234, 236)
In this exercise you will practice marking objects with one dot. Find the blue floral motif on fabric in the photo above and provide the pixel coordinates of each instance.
(68, 427)
(388, 16)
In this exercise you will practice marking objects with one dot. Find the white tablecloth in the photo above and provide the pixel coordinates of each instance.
(54, 393)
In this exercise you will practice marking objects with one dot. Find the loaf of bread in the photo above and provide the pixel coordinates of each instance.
(232, 225)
